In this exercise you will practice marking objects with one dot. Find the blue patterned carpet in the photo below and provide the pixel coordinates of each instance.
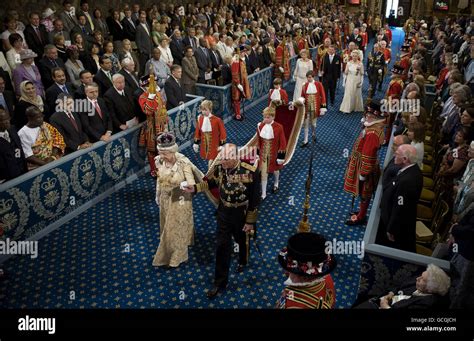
(84, 264)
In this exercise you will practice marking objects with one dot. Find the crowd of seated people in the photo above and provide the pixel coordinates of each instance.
(441, 67)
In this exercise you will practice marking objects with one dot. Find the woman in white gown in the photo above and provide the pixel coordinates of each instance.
(303, 65)
(353, 78)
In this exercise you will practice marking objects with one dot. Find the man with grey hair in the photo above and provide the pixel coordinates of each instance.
(46, 64)
(397, 227)
(119, 100)
(128, 72)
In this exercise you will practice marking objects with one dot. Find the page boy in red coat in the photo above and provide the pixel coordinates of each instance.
(210, 133)
(314, 98)
(271, 148)
(278, 96)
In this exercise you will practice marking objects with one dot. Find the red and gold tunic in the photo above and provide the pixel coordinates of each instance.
(282, 59)
(210, 141)
(270, 150)
(156, 120)
(239, 76)
(319, 295)
(443, 74)
(322, 50)
(395, 89)
(314, 102)
(300, 43)
(388, 34)
(364, 162)
(365, 39)
(283, 96)
(387, 53)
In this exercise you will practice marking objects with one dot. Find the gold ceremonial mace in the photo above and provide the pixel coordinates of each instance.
(304, 224)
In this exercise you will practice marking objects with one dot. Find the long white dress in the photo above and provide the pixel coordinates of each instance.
(300, 76)
(352, 100)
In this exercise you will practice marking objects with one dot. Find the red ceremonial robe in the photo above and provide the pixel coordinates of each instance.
(210, 141)
(277, 146)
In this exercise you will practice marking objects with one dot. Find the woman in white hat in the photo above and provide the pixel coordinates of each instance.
(174, 171)
(47, 19)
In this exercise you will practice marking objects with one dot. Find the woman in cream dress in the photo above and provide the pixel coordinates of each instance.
(353, 78)
(174, 171)
(303, 65)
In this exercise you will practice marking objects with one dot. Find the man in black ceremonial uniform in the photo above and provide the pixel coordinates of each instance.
(239, 189)
(376, 64)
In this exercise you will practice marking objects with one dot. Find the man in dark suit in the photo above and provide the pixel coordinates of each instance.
(177, 47)
(251, 59)
(7, 98)
(143, 41)
(216, 61)
(175, 94)
(95, 117)
(36, 36)
(69, 20)
(191, 39)
(59, 86)
(391, 170)
(226, 71)
(84, 30)
(331, 72)
(128, 71)
(129, 25)
(48, 63)
(12, 158)
(84, 10)
(203, 60)
(69, 125)
(103, 77)
(397, 227)
(119, 100)
(85, 76)
(59, 30)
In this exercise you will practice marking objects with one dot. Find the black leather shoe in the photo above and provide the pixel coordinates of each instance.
(275, 189)
(240, 268)
(304, 145)
(212, 293)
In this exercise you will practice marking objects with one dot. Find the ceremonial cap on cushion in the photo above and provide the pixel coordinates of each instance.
(166, 141)
(305, 255)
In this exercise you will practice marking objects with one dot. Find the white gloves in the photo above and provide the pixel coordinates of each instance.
(151, 96)
(157, 200)
(361, 178)
(240, 87)
(322, 111)
(301, 100)
(380, 71)
(196, 148)
(281, 69)
(280, 161)
(183, 185)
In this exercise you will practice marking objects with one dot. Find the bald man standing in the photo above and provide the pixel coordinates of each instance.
(397, 227)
